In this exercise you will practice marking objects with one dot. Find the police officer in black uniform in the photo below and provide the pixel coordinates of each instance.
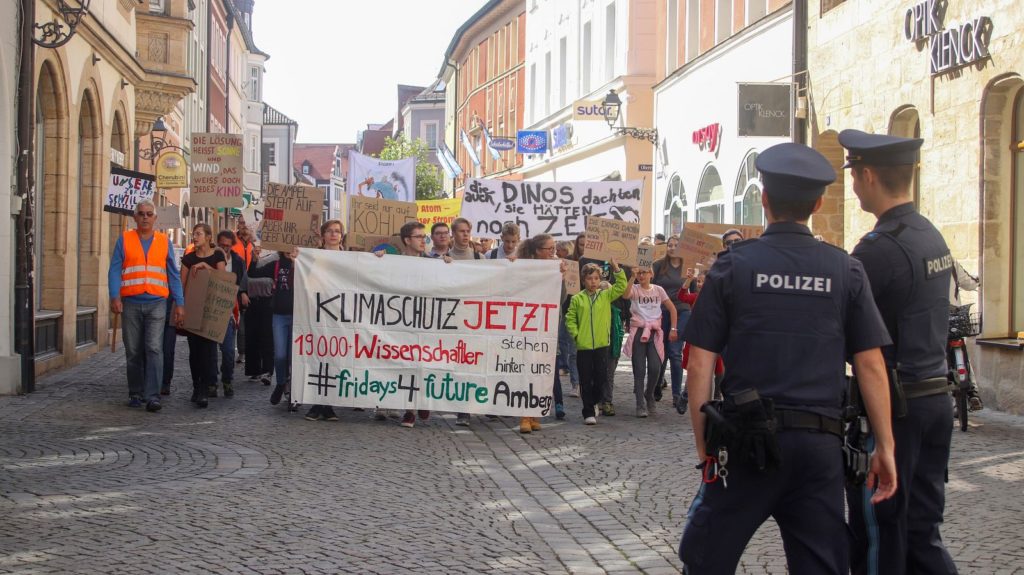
(786, 310)
(909, 266)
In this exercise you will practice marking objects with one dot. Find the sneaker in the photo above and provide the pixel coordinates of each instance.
(212, 392)
(424, 415)
(229, 390)
(275, 396)
(380, 414)
(327, 413)
(135, 401)
(408, 420)
(559, 411)
(313, 414)
(265, 380)
(974, 403)
(462, 420)
(641, 412)
(524, 425)
(165, 389)
(153, 405)
(239, 359)
(590, 420)
(575, 391)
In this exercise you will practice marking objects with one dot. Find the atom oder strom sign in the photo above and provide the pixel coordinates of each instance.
(402, 332)
(951, 48)
(556, 208)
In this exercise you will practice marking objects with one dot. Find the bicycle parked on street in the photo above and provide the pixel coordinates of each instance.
(962, 324)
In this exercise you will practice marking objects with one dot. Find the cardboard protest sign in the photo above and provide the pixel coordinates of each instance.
(645, 256)
(430, 212)
(659, 251)
(209, 301)
(557, 208)
(571, 277)
(216, 171)
(126, 189)
(376, 218)
(400, 333)
(608, 239)
(291, 217)
(717, 230)
(696, 247)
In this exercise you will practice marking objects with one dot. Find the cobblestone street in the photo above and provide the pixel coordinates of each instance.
(88, 485)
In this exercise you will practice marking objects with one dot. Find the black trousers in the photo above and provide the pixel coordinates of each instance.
(805, 496)
(202, 362)
(592, 365)
(901, 534)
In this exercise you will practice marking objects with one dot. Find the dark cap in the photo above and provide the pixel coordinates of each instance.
(879, 149)
(794, 172)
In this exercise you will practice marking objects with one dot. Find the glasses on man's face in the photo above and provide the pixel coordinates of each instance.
(732, 241)
(145, 214)
(442, 234)
(225, 247)
(418, 237)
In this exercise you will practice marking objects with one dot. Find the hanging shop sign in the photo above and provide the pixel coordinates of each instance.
(764, 110)
(561, 136)
(951, 48)
(589, 111)
(502, 144)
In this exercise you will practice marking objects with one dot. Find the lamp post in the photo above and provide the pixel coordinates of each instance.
(158, 142)
(612, 113)
(53, 33)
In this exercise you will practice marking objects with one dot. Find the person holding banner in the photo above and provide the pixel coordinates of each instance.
(331, 233)
(589, 323)
(462, 245)
(440, 240)
(509, 242)
(280, 268)
(202, 352)
(668, 274)
(644, 344)
(142, 275)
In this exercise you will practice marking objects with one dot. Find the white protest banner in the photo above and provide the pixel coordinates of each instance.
(291, 217)
(556, 208)
(376, 178)
(216, 170)
(415, 333)
(126, 189)
(612, 239)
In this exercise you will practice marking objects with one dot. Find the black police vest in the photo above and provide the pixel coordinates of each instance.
(917, 314)
(786, 321)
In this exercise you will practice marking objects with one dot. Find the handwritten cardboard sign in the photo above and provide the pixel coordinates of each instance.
(659, 251)
(612, 239)
(645, 256)
(697, 247)
(376, 218)
(291, 217)
(557, 208)
(126, 189)
(216, 171)
(571, 277)
(717, 230)
(400, 333)
(209, 301)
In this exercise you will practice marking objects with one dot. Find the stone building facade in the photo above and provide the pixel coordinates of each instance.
(951, 73)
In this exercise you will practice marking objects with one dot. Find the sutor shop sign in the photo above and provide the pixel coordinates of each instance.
(953, 47)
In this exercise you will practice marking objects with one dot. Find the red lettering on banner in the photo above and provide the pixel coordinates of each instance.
(523, 315)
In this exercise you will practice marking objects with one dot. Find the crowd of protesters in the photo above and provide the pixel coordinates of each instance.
(640, 312)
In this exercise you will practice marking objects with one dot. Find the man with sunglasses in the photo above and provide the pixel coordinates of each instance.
(142, 275)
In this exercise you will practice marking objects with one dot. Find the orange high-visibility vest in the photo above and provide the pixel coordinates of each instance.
(243, 251)
(141, 272)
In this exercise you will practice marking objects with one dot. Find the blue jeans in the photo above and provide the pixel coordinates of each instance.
(567, 352)
(227, 353)
(142, 330)
(674, 350)
(282, 348)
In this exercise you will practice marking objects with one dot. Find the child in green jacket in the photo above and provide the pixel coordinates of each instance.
(589, 321)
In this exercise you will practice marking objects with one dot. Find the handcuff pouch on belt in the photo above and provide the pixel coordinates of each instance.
(856, 456)
(744, 424)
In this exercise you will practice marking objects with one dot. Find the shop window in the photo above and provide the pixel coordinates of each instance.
(710, 197)
(675, 206)
(747, 194)
(1017, 230)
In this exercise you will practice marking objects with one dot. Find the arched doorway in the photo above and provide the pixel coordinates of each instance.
(88, 199)
(906, 123)
(747, 208)
(710, 197)
(675, 206)
(50, 209)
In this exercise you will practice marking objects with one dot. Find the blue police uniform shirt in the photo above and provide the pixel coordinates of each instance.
(910, 266)
(785, 311)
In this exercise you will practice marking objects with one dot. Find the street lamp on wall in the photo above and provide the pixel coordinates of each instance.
(158, 142)
(612, 113)
(53, 33)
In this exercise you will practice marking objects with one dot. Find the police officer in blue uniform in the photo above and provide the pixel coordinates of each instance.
(785, 310)
(909, 266)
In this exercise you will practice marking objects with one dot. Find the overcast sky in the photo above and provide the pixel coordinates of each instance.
(334, 65)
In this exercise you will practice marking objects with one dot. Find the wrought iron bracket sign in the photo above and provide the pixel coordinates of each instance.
(649, 134)
(55, 34)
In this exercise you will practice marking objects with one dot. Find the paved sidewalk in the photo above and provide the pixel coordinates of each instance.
(88, 485)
